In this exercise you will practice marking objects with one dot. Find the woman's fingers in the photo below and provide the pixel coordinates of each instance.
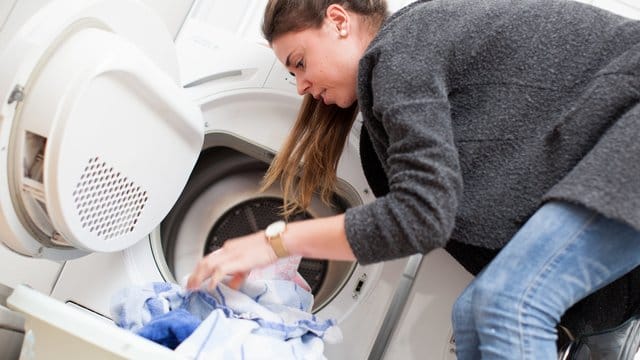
(236, 257)
(237, 280)
(215, 278)
(202, 271)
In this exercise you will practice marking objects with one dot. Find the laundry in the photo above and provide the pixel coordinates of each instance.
(268, 317)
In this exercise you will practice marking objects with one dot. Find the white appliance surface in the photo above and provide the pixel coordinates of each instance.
(41, 274)
(65, 189)
(40, 41)
(14, 13)
(246, 95)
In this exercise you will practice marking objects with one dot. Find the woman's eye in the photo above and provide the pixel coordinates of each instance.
(299, 65)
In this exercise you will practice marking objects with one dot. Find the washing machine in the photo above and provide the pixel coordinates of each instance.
(128, 154)
(57, 65)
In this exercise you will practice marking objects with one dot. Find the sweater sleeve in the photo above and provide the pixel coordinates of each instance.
(408, 112)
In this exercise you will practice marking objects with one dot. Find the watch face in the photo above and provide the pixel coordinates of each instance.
(275, 228)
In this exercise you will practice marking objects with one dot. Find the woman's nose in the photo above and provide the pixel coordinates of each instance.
(303, 85)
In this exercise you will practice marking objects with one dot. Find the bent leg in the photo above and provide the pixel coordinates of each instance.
(562, 254)
(464, 328)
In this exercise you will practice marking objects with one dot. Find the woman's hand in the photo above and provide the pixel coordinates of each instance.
(322, 238)
(236, 257)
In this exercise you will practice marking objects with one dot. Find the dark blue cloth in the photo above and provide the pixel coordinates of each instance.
(170, 329)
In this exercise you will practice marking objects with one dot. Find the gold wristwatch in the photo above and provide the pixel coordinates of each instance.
(273, 234)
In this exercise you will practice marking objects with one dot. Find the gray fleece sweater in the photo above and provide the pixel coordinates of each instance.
(481, 110)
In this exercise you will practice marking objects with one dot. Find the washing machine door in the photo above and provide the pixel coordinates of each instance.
(97, 139)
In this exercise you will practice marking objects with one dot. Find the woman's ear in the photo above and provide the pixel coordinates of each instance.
(339, 19)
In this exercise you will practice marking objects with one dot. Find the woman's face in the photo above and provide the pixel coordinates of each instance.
(325, 60)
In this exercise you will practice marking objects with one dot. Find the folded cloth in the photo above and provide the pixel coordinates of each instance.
(265, 318)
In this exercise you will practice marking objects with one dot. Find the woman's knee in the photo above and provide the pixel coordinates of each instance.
(500, 302)
(462, 307)
(486, 301)
(495, 297)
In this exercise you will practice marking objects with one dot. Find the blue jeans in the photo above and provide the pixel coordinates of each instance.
(562, 254)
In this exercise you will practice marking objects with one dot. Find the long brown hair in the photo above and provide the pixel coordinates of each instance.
(320, 131)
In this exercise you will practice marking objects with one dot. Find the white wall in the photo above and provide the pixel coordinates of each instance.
(628, 8)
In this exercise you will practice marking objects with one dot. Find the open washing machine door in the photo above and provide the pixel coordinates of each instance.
(90, 101)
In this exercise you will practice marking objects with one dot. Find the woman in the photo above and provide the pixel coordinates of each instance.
(495, 125)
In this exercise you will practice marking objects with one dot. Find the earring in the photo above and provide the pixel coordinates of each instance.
(343, 33)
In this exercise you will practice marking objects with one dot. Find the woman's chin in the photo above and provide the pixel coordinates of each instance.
(345, 104)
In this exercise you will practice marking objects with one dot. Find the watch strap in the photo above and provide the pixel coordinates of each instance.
(278, 246)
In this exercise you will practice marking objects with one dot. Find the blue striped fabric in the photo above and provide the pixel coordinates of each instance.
(263, 317)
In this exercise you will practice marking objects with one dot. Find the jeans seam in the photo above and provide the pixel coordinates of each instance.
(542, 274)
